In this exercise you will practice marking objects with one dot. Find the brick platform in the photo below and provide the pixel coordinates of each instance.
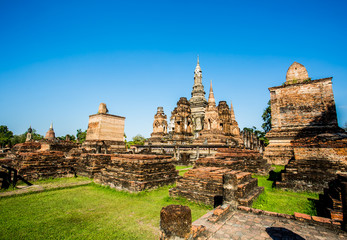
(214, 186)
(236, 159)
(137, 172)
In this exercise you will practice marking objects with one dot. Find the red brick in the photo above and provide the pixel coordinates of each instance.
(321, 219)
(302, 216)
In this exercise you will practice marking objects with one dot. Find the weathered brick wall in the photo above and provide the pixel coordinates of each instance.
(299, 110)
(236, 159)
(36, 160)
(317, 161)
(105, 127)
(303, 105)
(330, 203)
(42, 165)
(88, 165)
(137, 172)
(215, 185)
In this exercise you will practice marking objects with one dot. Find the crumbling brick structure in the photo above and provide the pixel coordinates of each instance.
(105, 133)
(34, 162)
(217, 186)
(137, 172)
(331, 202)
(130, 172)
(224, 178)
(236, 159)
(159, 126)
(317, 161)
(299, 108)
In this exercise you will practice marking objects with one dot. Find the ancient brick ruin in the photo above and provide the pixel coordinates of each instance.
(236, 159)
(198, 121)
(182, 122)
(159, 126)
(317, 161)
(56, 159)
(34, 160)
(215, 186)
(300, 108)
(333, 202)
(137, 172)
(305, 134)
(105, 133)
(198, 101)
(224, 178)
(50, 135)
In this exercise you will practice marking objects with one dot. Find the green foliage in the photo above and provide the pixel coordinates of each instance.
(22, 137)
(81, 135)
(307, 80)
(5, 136)
(267, 118)
(282, 201)
(258, 133)
(137, 140)
(88, 212)
(63, 138)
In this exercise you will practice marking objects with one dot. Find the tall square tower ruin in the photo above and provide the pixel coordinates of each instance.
(301, 107)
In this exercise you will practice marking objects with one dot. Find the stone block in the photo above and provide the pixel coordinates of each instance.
(175, 221)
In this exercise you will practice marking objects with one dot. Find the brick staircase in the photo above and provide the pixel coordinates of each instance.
(247, 189)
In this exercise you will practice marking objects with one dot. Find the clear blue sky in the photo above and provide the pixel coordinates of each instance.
(60, 59)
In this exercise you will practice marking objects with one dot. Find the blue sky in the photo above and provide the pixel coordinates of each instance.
(60, 59)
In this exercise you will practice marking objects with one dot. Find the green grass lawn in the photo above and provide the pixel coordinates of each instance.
(87, 212)
(181, 169)
(283, 201)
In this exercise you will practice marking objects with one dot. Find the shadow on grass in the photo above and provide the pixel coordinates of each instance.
(274, 177)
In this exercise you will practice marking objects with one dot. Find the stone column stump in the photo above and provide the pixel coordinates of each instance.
(175, 222)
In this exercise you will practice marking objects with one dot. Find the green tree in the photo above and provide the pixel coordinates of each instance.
(63, 138)
(22, 137)
(139, 140)
(267, 118)
(5, 136)
(81, 135)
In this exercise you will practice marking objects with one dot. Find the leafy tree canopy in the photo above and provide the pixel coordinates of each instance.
(5, 136)
(81, 135)
(22, 137)
(267, 118)
(137, 140)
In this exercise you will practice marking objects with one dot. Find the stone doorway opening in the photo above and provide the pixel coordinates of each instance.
(217, 201)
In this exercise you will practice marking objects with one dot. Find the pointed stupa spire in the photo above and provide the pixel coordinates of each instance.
(51, 127)
(211, 99)
(232, 114)
(197, 68)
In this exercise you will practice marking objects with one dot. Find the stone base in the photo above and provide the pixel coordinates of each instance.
(216, 186)
(236, 159)
(181, 138)
(41, 165)
(281, 141)
(278, 154)
(137, 172)
(105, 147)
(316, 161)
